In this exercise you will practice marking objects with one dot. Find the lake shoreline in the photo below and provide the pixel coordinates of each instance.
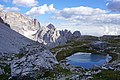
(87, 60)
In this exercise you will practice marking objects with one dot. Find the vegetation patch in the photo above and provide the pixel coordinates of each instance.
(107, 75)
(20, 55)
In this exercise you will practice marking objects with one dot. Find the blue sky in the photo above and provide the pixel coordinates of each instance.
(60, 4)
(91, 17)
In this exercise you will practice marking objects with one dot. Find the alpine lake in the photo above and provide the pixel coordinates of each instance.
(87, 60)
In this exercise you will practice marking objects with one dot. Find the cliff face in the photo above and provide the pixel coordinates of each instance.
(21, 55)
(21, 24)
(31, 29)
(11, 41)
(53, 37)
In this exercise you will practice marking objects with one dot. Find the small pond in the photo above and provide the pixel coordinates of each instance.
(87, 60)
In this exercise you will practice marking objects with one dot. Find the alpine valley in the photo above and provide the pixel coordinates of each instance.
(31, 52)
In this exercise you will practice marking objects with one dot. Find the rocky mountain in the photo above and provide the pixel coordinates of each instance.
(21, 24)
(31, 28)
(11, 41)
(20, 55)
(52, 37)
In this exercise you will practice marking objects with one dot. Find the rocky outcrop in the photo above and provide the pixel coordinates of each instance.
(53, 37)
(21, 24)
(99, 45)
(76, 34)
(1, 20)
(34, 59)
(50, 36)
(51, 26)
(22, 55)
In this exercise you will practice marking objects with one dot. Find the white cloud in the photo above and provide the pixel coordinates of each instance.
(2, 7)
(40, 10)
(88, 20)
(69, 12)
(111, 30)
(80, 13)
(87, 15)
(25, 3)
(12, 9)
(113, 5)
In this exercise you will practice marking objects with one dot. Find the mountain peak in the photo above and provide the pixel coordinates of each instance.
(51, 26)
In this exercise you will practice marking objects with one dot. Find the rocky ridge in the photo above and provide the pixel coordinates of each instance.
(21, 24)
(53, 37)
(31, 28)
(20, 55)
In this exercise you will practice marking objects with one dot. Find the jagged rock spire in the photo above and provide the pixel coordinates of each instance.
(51, 26)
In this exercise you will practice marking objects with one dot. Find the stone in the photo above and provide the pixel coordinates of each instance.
(1, 71)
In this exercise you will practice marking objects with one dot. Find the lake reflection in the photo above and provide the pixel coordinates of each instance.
(87, 60)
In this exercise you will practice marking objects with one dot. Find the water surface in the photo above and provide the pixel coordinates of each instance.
(87, 60)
